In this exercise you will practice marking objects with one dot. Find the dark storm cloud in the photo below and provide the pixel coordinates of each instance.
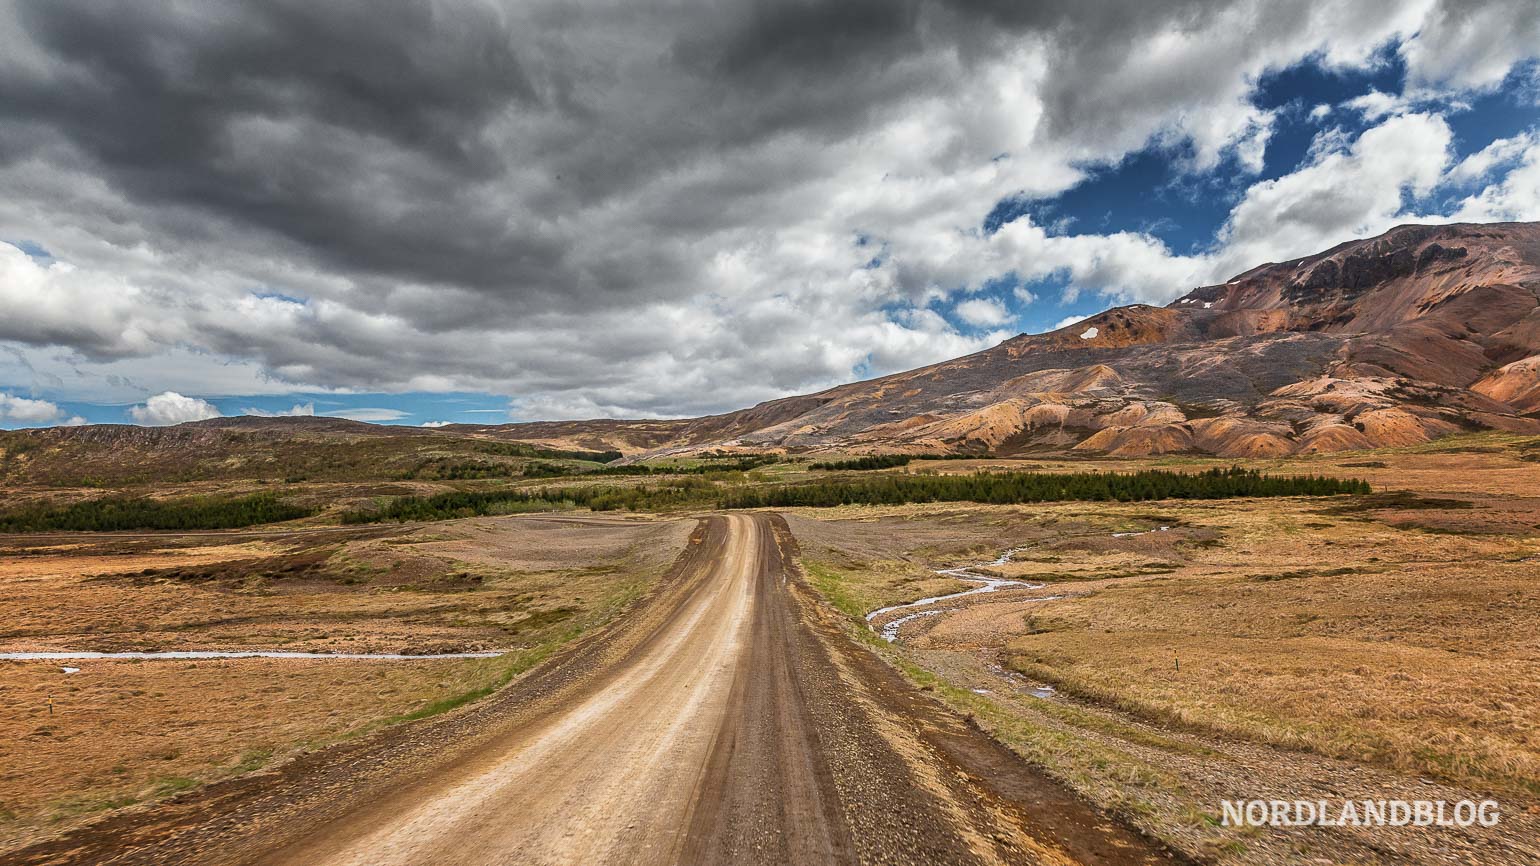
(605, 205)
(806, 46)
(766, 41)
(160, 78)
(159, 96)
(438, 142)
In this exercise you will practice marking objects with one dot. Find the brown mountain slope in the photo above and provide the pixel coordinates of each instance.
(1420, 332)
(267, 450)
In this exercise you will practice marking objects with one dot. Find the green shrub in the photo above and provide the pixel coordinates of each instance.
(1017, 487)
(118, 514)
(863, 464)
(597, 497)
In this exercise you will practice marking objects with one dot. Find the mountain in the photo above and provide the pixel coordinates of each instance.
(1394, 340)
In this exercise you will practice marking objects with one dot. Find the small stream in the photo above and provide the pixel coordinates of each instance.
(986, 583)
(235, 654)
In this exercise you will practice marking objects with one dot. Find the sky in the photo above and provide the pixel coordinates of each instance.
(482, 211)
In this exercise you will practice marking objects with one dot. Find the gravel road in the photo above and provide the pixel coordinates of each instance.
(727, 719)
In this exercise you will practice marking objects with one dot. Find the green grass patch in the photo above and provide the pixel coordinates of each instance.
(832, 586)
(75, 807)
(520, 662)
(166, 787)
(252, 760)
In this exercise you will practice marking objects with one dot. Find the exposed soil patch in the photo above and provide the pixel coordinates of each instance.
(124, 732)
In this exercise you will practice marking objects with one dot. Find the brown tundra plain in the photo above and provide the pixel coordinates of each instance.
(1153, 658)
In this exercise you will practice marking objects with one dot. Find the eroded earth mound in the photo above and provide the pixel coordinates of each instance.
(1390, 341)
(1399, 339)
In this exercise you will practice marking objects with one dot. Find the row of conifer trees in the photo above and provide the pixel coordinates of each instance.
(116, 514)
(1018, 487)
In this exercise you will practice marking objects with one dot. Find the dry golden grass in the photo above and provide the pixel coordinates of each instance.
(124, 732)
(1401, 636)
(129, 731)
(1400, 647)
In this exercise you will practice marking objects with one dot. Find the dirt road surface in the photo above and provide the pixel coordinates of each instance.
(726, 720)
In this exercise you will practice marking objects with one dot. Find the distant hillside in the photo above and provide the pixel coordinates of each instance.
(1394, 340)
(1418, 333)
(273, 449)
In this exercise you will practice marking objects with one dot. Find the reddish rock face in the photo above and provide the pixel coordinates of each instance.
(1415, 334)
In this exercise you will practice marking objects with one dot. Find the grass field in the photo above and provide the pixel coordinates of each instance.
(1293, 645)
(1393, 633)
(123, 732)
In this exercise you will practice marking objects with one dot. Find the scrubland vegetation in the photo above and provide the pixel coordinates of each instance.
(452, 504)
(123, 732)
(1003, 488)
(889, 461)
(1162, 656)
(865, 464)
(114, 514)
(716, 481)
(997, 488)
(520, 449)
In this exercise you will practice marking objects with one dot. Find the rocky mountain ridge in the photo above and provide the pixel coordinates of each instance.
(1415, 334)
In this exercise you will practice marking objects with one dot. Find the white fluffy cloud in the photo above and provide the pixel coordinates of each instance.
(1517, 195)
(531, 218)
(171, 408)
(28, 411)
(95, 313)
(1502, 153)
(1471, 45)
(298, 409)
(1350, 190)
(1375, 104)
(1067, 321)
(367, 413)
(436, 423)
(982, 312)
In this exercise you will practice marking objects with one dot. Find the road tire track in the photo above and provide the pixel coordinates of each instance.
(727, 719)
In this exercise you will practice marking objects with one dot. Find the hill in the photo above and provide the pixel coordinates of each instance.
(1418, 333)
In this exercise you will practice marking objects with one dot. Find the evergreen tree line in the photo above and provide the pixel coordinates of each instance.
(863, 464)
(1017, 487)
(459, 470)
(597, 497)
(890, 461)
(120, 514)
(742, 464)
(520, 449)
(537, 469)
